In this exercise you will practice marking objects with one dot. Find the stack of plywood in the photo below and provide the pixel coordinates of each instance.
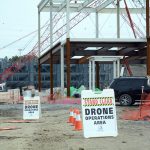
(16, 95)
(12, 96)
(4, 97)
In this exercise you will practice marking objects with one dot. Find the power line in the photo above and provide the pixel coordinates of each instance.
(22, 37)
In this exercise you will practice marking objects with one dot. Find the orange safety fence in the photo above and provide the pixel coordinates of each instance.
(53, 99)
(65, 100)
(140, 113)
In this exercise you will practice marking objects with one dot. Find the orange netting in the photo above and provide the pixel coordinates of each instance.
(142, 112)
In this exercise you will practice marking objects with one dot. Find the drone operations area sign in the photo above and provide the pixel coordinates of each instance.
(99, 113)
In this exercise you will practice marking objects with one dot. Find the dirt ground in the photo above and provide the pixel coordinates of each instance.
(52, 132)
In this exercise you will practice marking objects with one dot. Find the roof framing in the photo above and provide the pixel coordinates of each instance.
(126, 47)
(84, 7)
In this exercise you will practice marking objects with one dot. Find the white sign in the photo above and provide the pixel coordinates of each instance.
(31, 107)
(99, 113)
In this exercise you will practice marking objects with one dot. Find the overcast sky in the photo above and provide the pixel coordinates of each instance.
(19, 18)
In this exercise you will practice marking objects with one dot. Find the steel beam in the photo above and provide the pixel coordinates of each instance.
(87, 2)
(42, 4)
(118, 68)
(148, 35)
(97, 25)
(92, 10)
(118, 18)
(51, 24)
(90, 75)
(97, 74)
(61, 6)
(114, 69)
(68, 19)
(51, 75)
(39, 76)
(125, 51)
(107, 52)
(39, 33)
(105, 4)
(83, 60)
(44, 59)
(62, 69)
(93, 75)
(84, 53)
(148, 56)
(68, 50)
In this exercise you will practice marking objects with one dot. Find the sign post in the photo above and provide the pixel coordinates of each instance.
(99, 113)
(31, 107)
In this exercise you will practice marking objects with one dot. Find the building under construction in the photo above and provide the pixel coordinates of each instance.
(88, 40)
(60, 47)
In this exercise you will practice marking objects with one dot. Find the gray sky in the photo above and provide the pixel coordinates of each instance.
(17, 18)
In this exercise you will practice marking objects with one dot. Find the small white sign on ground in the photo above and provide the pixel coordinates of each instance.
(99, 113)
(31, 107)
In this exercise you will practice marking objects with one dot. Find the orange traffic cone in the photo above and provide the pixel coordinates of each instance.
(71, 119)
(74, 116)
(78, 124)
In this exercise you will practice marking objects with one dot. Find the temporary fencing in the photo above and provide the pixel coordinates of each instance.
(13, 96)
(140, 113)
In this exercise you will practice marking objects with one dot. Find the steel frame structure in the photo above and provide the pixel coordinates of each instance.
(84, 7)
(93, 61)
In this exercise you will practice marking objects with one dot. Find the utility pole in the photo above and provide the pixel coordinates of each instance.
(20, 50)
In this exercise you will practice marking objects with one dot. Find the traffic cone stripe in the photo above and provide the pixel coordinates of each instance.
(70, 120)
(71, 113)
(78, 118)
(78, 124)
(74, 116)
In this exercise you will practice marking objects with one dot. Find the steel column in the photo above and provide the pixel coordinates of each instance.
(68, 50)
(51, 75)
(97, 75)
(62, 69)
(68, 19)
(118, 68)
(90, 86)
(93, 75)
(114, 69)
(97, 25)
(118, 18)
(51, 24)
(39, 33)
(148, 35)
(39, 76)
